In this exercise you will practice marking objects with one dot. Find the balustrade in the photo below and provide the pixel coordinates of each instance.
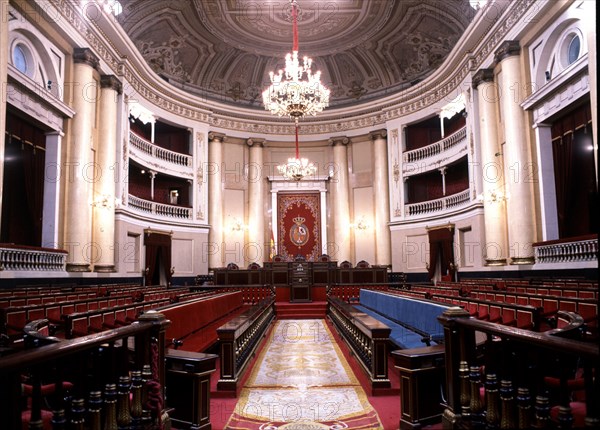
(159, 209)
(437, 205)
(156, 151)
(526, 377)
(61, 370)
(437, 147)
(15, 257)
(566, 251)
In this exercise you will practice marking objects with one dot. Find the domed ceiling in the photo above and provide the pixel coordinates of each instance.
(224, 49)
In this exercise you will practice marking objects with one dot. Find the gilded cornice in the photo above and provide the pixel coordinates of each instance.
(413, 99)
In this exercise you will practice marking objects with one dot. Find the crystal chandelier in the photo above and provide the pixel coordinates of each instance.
(292, 96)
(288, 93)
(297, 168)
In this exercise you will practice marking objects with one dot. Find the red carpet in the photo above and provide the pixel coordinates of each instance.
(386, 403)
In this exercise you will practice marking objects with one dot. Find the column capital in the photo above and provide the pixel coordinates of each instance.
(378, 134)
(111, 82)
(443, 170)
(152, 174)
(339, 140)
(257, 142)
(215, 136)
(483, 75)
(507, 49)
(85, 56)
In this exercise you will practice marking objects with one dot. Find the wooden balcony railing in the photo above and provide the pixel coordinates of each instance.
(159, 209)
(103, 377)
(156, 151)
(437, 147)
(16, 257)
(438, 205)
(567, 250)
(506, 377)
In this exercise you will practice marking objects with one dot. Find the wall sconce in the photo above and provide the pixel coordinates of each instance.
(493, 197)
(237, 225)
(104, 201)
(361, 224)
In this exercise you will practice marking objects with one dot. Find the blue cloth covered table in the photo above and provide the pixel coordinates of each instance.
(419, 315)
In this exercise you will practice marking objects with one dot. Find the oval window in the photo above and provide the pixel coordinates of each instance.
(20, 59)
(574, 49)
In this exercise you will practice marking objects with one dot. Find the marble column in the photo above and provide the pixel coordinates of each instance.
(443, 171)
(382, 199)
(519, 170)
(257, 251)
(495, 250)
(215, 199)
(78, 164)
(4, 55)
(103, 226)
(341, 204)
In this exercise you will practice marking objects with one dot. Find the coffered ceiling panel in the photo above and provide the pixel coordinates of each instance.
(224, 49)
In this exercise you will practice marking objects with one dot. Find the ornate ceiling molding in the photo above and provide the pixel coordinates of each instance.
(436, 87)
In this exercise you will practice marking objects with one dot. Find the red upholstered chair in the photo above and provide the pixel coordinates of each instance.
(253, 266)
(324, 258)
(346, 265)
(363, 264)
(232, 266)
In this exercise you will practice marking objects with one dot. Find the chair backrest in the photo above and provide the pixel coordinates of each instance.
(362, 264)
(346, 265)
(232, 266)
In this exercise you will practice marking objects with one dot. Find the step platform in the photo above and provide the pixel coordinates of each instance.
(311, 310)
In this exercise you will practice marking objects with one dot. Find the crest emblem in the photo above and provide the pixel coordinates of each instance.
(299, 232)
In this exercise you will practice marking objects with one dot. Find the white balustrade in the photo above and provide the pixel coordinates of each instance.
(159, 209)
(157, 152)
(437, 205)
(437, 147)
(568, 251)
(17, 258)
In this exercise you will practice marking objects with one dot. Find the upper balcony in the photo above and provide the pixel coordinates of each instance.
(430, 157)
(160, 159)
(437, 206)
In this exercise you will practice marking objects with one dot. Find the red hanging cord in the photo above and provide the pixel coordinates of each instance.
(297, 147)
(295, 26)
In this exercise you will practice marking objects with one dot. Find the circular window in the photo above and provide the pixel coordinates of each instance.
(20, 59)
(574, 49)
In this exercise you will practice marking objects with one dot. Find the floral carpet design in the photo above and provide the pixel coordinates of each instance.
(301, 380)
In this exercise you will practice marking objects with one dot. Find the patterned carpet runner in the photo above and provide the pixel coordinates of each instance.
(300, 381)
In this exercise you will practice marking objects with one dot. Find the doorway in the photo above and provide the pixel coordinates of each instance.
(158, 257)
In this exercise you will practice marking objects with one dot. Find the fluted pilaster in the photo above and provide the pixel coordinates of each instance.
(494, 203)
(382, 200)
(79, 163)
(341, 206)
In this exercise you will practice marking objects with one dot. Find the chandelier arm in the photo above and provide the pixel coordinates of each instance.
(294, 25)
